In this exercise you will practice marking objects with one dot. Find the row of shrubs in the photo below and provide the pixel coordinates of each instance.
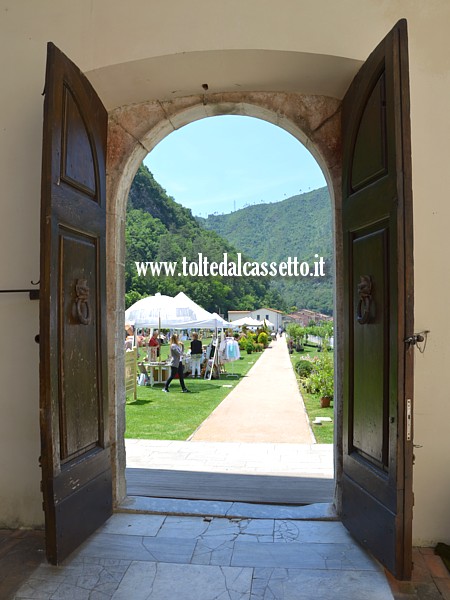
(317, 375)
(254, 342)
(298, 335)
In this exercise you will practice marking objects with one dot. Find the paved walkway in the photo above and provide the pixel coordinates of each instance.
(266, 405)
(258, 458)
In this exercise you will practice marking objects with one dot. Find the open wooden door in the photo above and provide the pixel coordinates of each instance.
(377, 229)
(75, 455)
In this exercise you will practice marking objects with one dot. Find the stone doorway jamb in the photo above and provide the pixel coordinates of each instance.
(133, 131)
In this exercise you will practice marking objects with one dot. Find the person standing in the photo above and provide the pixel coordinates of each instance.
(196, 354)
(176, 364)
(154, 342)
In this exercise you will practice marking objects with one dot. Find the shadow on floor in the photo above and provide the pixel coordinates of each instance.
(21, 552)
(200, 485)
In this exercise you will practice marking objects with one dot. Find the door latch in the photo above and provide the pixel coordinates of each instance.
(417, 339)
(408, 419)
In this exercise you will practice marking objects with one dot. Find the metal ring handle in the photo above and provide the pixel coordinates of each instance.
(362, 316)
(83, 312)
(82, 301)
(365, 299)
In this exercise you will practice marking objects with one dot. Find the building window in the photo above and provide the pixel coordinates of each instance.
(267, 317)
(258, 318)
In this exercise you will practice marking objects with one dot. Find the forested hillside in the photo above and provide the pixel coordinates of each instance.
(299, 226)
(160, 229)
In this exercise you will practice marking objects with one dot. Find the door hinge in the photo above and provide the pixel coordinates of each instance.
(408, 419)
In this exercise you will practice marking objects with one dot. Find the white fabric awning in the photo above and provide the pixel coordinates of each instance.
(214, 322)
(247, 321)
(164, 311)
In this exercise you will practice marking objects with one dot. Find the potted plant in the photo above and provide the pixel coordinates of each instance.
(325, 402)
(326, 386)
(321, 380)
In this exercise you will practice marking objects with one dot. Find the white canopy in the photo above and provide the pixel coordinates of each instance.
(187, 307)
(247, 321)
(214, 322)
(165, 311)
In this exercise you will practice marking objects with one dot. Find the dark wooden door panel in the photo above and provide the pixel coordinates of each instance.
(76, 466)
(372, 524)
(80, 417)
(368, 167)
(369, 396)
(377, 229)
(79, 164)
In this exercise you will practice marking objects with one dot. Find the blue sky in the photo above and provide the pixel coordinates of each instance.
(221, 164)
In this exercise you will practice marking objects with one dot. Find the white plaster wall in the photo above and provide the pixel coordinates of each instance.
(430, 87)
(98, 34)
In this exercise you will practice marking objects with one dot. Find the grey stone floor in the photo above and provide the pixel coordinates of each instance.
(161, 557)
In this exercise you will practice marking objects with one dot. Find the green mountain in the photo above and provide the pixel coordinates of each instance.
(159, 229)
(300, 227)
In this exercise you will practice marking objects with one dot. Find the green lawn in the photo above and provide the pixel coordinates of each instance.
(324, 433)
(175, 416)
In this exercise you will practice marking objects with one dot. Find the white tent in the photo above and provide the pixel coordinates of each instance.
(150, 311)
(164, 311)
(247, 321)
(193, 311)
(214, 322)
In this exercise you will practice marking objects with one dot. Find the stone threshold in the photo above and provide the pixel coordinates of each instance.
(321, 511)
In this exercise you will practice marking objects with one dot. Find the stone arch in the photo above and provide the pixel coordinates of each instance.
(133, 131)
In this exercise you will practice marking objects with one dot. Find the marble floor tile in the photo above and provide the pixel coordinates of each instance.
(225, 527)
(160, 581)
(183, 527)
(292, 584)
(131, 547)
(170, 506)
(37, 588)
(320, 510)
(256, 529)
(302, 556)
(214, 550)
(93, 580)
(311, 531)
(118, 547)
(170, 550)
(132, 524)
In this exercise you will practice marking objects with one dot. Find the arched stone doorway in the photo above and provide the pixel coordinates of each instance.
(133, 132)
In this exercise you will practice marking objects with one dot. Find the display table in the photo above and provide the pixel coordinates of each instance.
(159, 372)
